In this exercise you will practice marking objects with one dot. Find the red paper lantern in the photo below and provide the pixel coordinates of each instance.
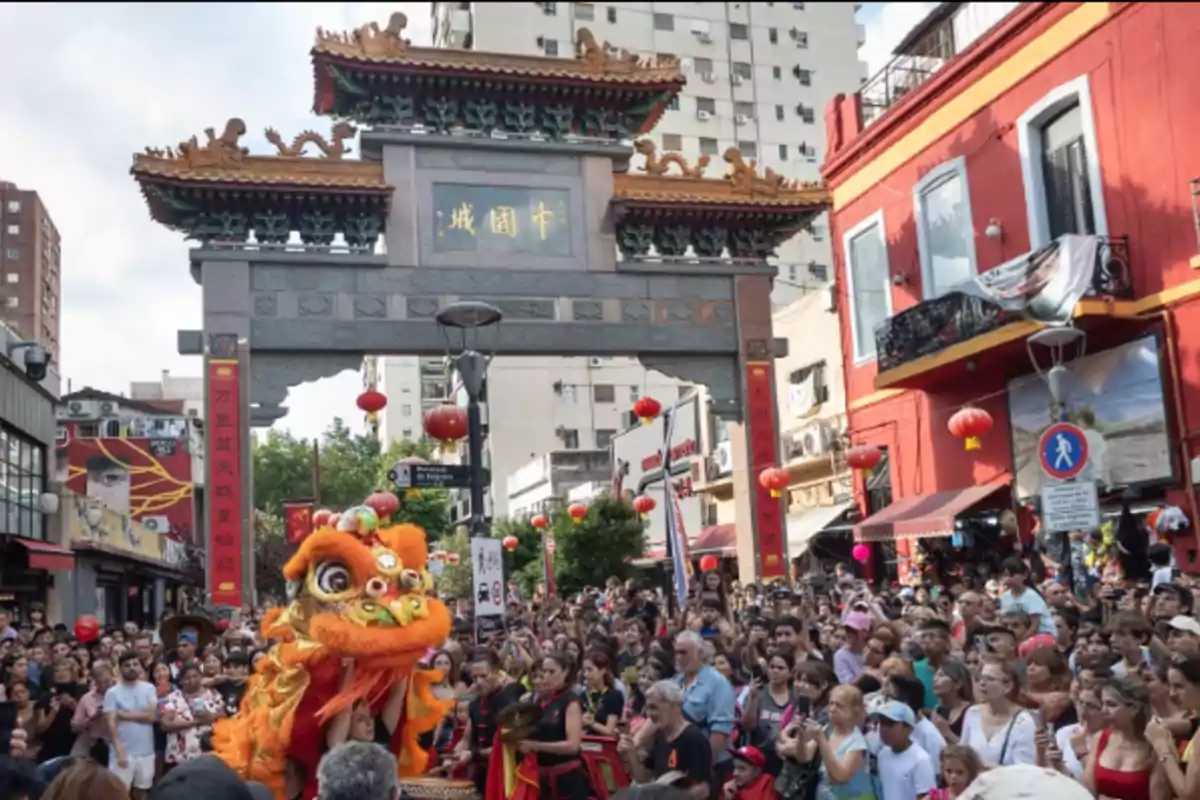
(864, 457)
(384, 504)
(87, 628)
(437, 555)
(371, 401)
(643, 504)
(647, 408)
(320, 518)
(577, 511)
(334, 519)
(446, 423)
(510, 543)
(775, 480)
(708, 563)
(540, 521)
(453, 558)
(969, 424)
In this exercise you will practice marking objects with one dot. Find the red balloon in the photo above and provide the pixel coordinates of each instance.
(87, 628)
(708, 563)
(861, 553)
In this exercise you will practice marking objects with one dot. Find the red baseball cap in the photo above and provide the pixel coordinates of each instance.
(751, 754)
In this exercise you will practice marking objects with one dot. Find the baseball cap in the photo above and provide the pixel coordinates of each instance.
(203, 778)
(751, 755)
(896, 712)
(857, 620)
(1185, 596)
(1187, 624)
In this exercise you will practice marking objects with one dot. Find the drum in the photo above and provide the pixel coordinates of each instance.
(438, 789)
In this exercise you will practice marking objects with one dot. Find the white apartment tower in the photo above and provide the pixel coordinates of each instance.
(759, 76)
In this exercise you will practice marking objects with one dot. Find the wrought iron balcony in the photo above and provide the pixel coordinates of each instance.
(903, 74)
(933, 325)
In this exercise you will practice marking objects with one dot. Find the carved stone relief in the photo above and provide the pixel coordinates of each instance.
(635, 311)
(316, 305)
(674, 311)
(491, 161)
(266, 305)
(422, 307)
(587, 311)
(370, 307)
(522, 309)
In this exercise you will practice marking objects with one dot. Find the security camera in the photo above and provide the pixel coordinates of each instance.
(37, 361)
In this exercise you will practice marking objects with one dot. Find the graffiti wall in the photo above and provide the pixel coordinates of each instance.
(147, 479)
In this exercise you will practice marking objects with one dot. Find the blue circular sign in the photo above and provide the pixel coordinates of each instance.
(1063, 451)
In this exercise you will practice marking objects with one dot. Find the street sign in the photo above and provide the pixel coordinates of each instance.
(430, 476)
(1070, 507)
(1063, 451)
(487, 572)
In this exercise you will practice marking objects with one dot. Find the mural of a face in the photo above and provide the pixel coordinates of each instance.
(108, 482)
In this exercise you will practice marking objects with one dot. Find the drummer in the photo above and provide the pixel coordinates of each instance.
(559, 734)
(493, 691)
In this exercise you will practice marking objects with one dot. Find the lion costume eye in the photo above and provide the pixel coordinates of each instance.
(332, 578)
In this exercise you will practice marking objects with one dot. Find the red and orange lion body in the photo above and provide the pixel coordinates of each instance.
(360, 597)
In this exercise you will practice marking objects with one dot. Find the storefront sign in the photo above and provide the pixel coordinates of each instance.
(224, 484)
(762, 440)
(1070, 507)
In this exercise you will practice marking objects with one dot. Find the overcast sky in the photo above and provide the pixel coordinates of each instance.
(86, 86)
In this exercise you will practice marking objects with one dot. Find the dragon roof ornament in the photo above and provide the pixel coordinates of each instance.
(372, 44)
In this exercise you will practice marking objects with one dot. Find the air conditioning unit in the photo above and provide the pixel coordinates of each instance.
(708, 77)
(158, 524)
(737, 80)
(541, 41)
(723, 458)
(595, 361)
(705, 37)
(703, 116)
(107, 408)
(813, 440)
(741, 119)
(829, 299)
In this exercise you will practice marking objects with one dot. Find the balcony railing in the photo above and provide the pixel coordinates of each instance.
(933, 325)
(902, 75)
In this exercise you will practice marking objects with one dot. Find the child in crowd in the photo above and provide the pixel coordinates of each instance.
(960, 767)
(905, 770)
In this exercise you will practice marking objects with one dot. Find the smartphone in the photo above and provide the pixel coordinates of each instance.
(8, 723)
(803, 706)
(1039, 719)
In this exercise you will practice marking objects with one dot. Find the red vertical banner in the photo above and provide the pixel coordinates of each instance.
(225, 539)
(763, 447)
(297, 520)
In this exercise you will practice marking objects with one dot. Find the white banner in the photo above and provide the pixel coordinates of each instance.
(1044, 285)
(487, 571)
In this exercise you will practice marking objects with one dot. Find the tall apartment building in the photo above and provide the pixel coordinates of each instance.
(30, 259)
(412, 386)
(759, 75)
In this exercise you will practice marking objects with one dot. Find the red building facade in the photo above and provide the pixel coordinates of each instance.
(1058, 118)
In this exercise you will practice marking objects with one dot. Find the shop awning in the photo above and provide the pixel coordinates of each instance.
(716, 539)
(922, 516)
(43, 555)
(654, 553)
(803, 528)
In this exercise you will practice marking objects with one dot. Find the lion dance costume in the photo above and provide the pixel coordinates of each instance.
(360, 593)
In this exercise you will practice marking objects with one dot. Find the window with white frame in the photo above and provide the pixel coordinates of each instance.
(945, 235)
(1060, 165)
(868, 283)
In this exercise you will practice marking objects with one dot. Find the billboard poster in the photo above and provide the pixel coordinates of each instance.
(224, 484)
(1116, 398)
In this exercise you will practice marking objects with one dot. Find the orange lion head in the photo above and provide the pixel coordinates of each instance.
(363, 595)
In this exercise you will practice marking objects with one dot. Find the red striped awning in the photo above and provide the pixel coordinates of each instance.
(922, 516)
(715, 539)
(50, 557)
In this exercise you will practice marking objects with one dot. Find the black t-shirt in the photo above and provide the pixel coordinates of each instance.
(231, 695)
(689, 753)
(58, 739)
(602, 705)
(482, 712)
(647, 612)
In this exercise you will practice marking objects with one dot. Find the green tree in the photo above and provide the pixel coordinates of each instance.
(271, 552)
(455, 580)
(350, 466)
(282, 470)
(603, 545)
(529, 544)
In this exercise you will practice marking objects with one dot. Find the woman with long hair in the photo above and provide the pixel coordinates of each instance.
(1182, 769)
(85, 779)
(1122, 764)
(558, 737)
(997, 727)
(1048, 679)
(188, 714)
(814, 680)
(952, 684)
(771, 695)
(845, 772)
(602, 704)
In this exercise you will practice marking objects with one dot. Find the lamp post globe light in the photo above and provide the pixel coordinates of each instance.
(1058, 342)
(464, 325)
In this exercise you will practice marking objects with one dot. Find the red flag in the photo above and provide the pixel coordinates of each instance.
(297, 517)
(508, 778)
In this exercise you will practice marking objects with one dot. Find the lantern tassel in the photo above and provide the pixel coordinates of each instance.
(647, 420)
(973, 443)
(412, 494)
(577, 521)
(776, 493)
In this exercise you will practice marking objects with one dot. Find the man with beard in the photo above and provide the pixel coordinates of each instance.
(493, 692)
(130, 708)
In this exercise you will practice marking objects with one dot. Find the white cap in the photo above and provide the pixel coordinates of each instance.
(1024, 782)
(1185, 623)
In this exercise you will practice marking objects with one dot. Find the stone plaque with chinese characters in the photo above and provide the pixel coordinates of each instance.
(501, 219)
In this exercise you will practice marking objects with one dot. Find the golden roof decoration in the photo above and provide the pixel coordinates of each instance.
(222, 159)
(372, 44)
(742, 185)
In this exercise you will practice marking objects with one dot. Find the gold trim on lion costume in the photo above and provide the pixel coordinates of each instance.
(358, 595)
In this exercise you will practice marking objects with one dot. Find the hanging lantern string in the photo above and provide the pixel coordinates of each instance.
(977, 401)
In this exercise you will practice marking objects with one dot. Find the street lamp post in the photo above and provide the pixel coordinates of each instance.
(469, 318)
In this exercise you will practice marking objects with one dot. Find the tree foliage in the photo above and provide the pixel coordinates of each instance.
(352, 466)
(271, 552)
(455, 580)
(603, 545)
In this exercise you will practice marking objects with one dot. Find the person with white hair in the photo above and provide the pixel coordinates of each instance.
(357, 771)
(708, 699)
(670, 745)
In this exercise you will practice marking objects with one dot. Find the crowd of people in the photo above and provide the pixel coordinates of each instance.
(817, 690)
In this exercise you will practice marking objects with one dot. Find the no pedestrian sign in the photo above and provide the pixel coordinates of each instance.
(1063, 451)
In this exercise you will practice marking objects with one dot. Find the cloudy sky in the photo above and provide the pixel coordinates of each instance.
(79, 99)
